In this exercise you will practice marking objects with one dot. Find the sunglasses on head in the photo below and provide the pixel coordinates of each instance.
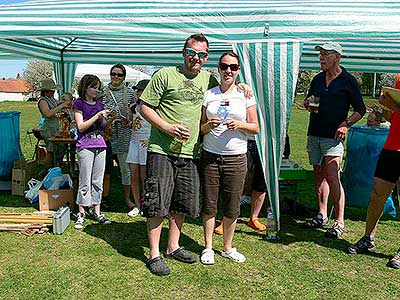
(192, 52)
(117, 74)
(233, 67)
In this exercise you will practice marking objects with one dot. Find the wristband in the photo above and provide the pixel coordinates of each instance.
(349, 122)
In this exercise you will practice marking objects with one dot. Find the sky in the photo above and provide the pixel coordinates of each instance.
(10, 68)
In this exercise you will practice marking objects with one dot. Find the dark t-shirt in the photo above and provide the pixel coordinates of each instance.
(334, 104)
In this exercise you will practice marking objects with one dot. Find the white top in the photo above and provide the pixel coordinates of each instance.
(221, 140)
(141, 128)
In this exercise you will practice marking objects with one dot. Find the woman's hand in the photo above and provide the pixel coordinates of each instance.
(234, 124)
(102, 114)
(213, 122)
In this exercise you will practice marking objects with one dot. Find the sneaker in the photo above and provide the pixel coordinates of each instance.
(317, 222)
(80, 219)
(102, 219)
(256, 225)
(220, 229)
(395, 261)
(336, 231)
(245, 200)
(134, 212)
(363, 245)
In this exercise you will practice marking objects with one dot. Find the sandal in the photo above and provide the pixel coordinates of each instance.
(182, 255)
(207, 257)
(234, 255)
(157, 266)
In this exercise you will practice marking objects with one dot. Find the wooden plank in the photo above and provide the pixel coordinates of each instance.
(28, 220)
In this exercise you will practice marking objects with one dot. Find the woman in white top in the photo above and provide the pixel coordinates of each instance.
(227, 120)
(137, 153)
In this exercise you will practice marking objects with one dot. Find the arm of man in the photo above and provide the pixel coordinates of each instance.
(359, 110)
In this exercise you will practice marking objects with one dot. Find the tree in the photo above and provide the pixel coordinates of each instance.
(37, 70)
(387, 79)
(304, 80)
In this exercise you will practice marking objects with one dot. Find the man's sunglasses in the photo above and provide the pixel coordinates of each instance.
(326, 53)
(192, 52)
(117, 74)
(233, 67)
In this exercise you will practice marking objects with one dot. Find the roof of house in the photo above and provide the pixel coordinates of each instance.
(18, 85)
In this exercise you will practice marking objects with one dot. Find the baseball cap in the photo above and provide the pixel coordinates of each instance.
(330, 46)
(141, 85)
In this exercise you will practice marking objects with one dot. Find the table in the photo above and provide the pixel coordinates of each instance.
(290, 175)
(69, 144)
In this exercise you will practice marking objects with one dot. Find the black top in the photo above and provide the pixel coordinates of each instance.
(334, 103)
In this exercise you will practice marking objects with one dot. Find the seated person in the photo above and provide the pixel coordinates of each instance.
(49, 107)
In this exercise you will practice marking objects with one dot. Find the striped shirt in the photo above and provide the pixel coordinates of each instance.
(120, 136)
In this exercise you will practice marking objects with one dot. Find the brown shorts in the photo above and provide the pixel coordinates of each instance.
(223, 175)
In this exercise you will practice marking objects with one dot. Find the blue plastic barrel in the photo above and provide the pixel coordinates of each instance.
(364, 144)
(10, 149)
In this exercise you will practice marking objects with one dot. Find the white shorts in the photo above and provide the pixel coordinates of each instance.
(137, 153)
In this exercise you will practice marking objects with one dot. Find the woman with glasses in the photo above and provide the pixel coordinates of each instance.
(117, 99)
(228, 117)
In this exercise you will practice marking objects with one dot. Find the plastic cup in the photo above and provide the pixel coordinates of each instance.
(313, 105)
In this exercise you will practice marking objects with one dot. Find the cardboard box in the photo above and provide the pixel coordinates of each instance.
(54, 199)
(22, 172)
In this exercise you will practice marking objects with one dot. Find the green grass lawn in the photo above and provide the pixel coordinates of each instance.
(108, 262)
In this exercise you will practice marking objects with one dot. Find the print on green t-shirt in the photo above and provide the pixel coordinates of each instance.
(178, 100)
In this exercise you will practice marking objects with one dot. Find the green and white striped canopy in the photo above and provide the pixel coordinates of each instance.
(268, 36)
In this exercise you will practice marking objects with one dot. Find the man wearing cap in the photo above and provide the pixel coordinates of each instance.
(49, 107)
(329, 98)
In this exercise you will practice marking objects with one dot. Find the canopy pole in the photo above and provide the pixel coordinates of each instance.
(374, 88)
(62, 61)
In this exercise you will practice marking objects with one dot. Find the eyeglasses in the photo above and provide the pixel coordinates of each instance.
(117, 74)
(192, 52)
(233, 67)
(326, 53)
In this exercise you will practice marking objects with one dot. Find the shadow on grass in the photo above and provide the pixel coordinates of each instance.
(8, 200)
(294, 231)
(130, 239)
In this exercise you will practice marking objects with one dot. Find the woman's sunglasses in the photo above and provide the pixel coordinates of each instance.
(192, 52)
(233, 67)
(117, 74)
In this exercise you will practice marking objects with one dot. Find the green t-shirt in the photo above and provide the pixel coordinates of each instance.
(177, 99)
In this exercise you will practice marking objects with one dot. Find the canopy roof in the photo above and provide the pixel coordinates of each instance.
(148, 32)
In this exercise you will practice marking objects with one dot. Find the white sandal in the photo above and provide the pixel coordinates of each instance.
(234, 255)
(207, 257)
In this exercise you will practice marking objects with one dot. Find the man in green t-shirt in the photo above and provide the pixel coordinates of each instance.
(172, 103)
